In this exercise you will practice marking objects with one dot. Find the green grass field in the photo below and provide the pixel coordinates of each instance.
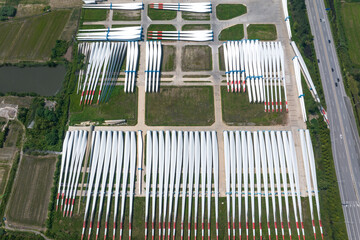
(161, 27)
(351, 19)
(235, 32)
(120, 106)
(264, 32)
(166, 108)
(92, 27)
(125, 25)
(221, 58)
(31, 39)
(156, 14)
(229, 11)
(168, 58)
(126, 15)
(236, 110)
(191, 27)
(196, 58)
(70, 228)
(195, 16)
(92, 15)
(31, 192)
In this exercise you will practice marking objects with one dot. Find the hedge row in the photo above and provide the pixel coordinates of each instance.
(3, 135)
(69, 86)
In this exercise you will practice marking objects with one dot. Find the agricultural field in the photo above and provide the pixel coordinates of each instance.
(4, 173)
(229, 11)
(236, 110)
(119, 106)
(31, 192)
(351, 19)
(235, 32)
(15, 131)
(31, 39)
(263, 32)
(166, 108)
(8, 154)
(196, 58)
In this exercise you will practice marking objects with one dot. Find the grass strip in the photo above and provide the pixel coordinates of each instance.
(235, 32)
(229, 11)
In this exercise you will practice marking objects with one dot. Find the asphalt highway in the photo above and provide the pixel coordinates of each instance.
(344, 135)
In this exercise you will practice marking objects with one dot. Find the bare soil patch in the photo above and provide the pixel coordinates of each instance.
(20, 101)
(65, 3)
(196, 58)
(27, 10)
(196, 16)
(126, 15)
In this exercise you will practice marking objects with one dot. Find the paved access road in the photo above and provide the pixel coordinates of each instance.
(344, 135)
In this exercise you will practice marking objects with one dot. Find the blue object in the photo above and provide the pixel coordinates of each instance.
(107, 34)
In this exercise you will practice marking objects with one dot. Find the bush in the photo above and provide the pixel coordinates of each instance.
(14, 235)
(47, 9)
(49, 129)
(7, 11)
(51, 208)
(59, 50)
(22, 114)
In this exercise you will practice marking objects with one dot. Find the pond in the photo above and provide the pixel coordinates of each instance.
(46, 81)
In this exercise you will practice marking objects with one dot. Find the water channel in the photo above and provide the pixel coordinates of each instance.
(46, 81)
